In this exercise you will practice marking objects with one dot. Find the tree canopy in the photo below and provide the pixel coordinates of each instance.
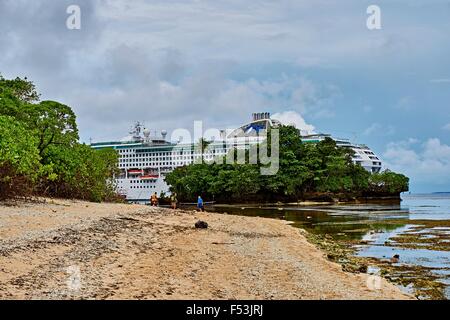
(22, 89)
(304, 168)
(40, 152)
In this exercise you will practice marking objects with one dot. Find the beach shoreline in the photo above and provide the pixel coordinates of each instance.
(64, 249)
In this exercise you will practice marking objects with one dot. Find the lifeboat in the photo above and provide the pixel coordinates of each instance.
(134, 171)
(150, 177)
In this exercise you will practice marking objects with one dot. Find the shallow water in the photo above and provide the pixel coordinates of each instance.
(377, 229)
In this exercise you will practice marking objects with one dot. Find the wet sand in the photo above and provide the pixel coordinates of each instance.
(77, 250)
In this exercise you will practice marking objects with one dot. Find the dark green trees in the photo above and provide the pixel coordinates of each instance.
(305, 168)
(40, 152)
(19, 158)
(388, 182)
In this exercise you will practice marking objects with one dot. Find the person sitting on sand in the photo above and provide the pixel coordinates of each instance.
(154, 200)
(200, 206)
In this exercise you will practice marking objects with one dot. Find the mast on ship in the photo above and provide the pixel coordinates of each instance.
(140, 133)
(136, 131)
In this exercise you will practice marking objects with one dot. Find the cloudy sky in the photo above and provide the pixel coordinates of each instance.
(170, 62)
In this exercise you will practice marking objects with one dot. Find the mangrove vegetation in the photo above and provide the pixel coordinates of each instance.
(314, 171)
(40, 152)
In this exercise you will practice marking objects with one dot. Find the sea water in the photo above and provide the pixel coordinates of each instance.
(374, 228)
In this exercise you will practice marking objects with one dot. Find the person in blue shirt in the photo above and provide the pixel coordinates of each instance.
(200, 204)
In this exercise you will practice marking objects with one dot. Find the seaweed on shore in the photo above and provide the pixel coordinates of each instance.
(423, 235)
(424, 283)
(338, 252)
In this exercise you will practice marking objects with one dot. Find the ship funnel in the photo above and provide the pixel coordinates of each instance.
(260, 116)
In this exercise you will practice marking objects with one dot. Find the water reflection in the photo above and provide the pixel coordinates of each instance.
(418, 229)
(339, 221)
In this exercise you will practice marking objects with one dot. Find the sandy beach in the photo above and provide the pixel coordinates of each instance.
(60, 249)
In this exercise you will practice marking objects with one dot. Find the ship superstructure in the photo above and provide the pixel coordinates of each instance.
(145, 158)
(363, 156)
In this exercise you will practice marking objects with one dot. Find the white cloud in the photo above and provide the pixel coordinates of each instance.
(172, 62)
(440, 80)
(405, 103)
(294, 118)
(325, 31)
(428, 162)
(136, 86)
(372, 128)
(316, 100)
(377, 129)
(446, 127)
(435, 150)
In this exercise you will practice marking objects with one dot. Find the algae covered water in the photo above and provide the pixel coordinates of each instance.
(410, 239)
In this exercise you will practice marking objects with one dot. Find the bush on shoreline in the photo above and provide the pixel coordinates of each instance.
(40, 153)
(306, 170)
(19, 158)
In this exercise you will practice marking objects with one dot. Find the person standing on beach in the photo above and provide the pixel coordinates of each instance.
(154, 200)
(173, 200)
(200, 204)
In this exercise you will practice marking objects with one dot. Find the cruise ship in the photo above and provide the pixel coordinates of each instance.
(145, 158)
(363, 156)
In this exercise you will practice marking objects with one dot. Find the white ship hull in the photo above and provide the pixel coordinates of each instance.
(138, 190)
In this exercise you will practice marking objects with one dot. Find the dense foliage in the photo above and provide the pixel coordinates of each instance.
(305, 169)
(40, 152)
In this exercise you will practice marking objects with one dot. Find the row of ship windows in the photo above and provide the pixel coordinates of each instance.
(127, 151)
(144, 156)
(364, 152)
(162, 159)
(370, 157)
(142, 181)
(142, 187)
(126, 159)
(375, 163)
(162, 154)
(149, 164)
